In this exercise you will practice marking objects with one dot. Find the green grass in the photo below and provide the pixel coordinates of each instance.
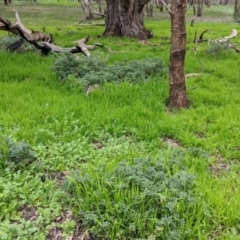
(89, 137)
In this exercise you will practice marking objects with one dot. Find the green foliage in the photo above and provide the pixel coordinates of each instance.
(23, 190)
(68, 64)
(93, 70)
(15, 155)
(134, 200)
(134, 71)
(217, 50)
(8, 40)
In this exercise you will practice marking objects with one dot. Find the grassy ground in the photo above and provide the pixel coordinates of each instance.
(185, 181)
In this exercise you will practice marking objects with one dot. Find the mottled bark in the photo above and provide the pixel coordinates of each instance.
(178, 96)
(125, 18)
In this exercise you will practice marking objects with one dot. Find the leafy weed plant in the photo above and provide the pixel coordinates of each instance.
(15, 155)
(142, 199)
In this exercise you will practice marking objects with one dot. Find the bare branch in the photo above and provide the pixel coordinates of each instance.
(201, 35)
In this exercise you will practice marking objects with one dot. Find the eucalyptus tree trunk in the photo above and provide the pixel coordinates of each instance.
(125, 18)
(236, 14)
(178, 96)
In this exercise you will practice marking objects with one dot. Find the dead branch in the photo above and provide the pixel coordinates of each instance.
(42, 41)
(233, 34)
(222, 40)
(200, 37)
(88, 10)
(226, 40)
(192, 21)
(4, 25)
(188, 75)
(195, 36)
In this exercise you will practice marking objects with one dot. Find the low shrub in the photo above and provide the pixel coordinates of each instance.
(67, 64)
(15, 155)
(15, 43)
(133, 71)
(94, 70)
(5, 41)
(217, 50)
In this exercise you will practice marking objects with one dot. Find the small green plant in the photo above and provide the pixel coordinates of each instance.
(15, 155)
(131, 200)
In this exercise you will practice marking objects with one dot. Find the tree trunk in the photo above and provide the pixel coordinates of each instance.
(151, 9)
(194, 7)
(161, 7)
(5, 2)
(99, 5)
(178, 96)
(125, 18)
(199, 8)
(236, 14)
(87, 8)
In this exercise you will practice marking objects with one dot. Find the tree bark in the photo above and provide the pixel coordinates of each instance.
(236, 14)
(125, 18)
(178, 96)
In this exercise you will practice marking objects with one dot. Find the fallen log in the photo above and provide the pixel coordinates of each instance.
(42, 41)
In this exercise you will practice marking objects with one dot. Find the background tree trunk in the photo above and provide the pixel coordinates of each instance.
(125, 18)
(199, 8)
(178, 96)
(87, 9)
(236, 14)
(99, 5)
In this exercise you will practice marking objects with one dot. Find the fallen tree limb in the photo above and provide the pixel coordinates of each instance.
(233, 34)
(188, 75)
(42, 41)
(222, 40)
